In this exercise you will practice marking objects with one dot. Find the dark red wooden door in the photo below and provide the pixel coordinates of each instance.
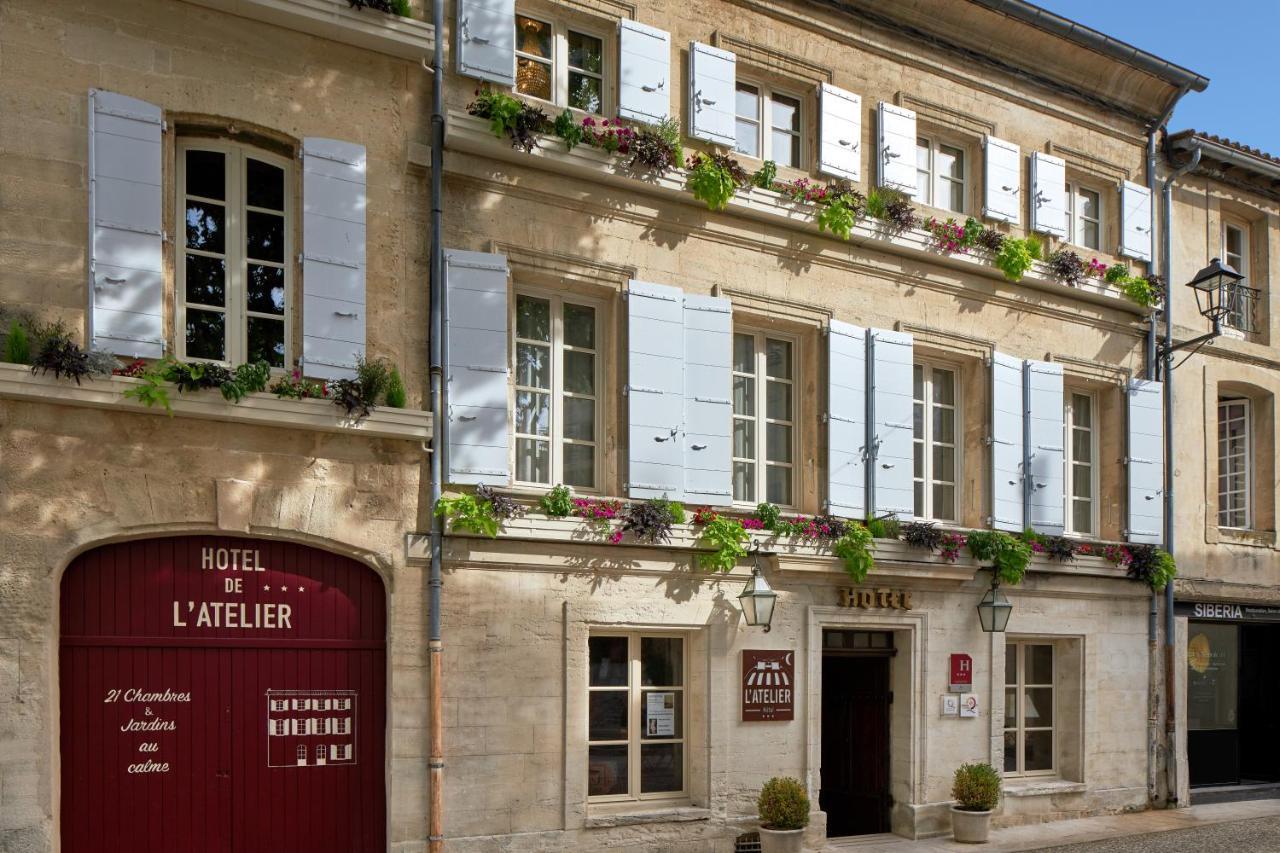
(222, 695)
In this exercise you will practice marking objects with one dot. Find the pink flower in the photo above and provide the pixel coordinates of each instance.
(615, 537)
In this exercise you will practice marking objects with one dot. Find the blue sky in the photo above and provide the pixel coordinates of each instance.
(1235, 43)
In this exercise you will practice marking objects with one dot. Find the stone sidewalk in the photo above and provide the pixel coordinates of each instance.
(1041, 836)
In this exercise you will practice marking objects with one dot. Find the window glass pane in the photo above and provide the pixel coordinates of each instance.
(778, 485)
(585, 52)
(778, 441)
(533, 37)
(744, 354)
(264, 184)
(606, 770)
(265, 288)
(1088, 204)
(1081, 517)
(955, 200)
(579, 326)
(1082, 410)
(265, 233)
(533, 365)
(607, 715)
(266, 341)
(579, 466)
(785, 113)
(918, 453)
(747, 102)
(1089, 234)
(1038, 751)
(917, 382)
(786, 148)
(1081, 446)
(944, 463)
(1010, 708)
(778, 359)
(206, 226)
(744, 396)
(922, 155)
(1039, 664)
(1010, 664)
(744, 438)
(206, 174)
(746, 136)
(533, 413)
(944, 498)
(206, 334)
(944, 425)
(1081, 481)
(579, 372)
(580, 418)
(944, 387)
(950, 162)
(533, 460)
(661, 767)
(533, 318)
(1037, 707)
(206, 280)
(608, 661)
(667, 721)
(778, 401)
(533, 78)
(661, 661)
(584, 92)
(1011, 752)
(917, 421)
(918, 505)
(744, 482)
(1212, 675)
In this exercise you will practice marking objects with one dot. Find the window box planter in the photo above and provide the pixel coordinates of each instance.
(17, 382)
(469, 134)
(406, 38)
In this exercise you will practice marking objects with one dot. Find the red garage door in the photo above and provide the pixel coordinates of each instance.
(222, 694)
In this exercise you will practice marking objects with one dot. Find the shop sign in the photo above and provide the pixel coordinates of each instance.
(768, 685)
(1227, 612)
(881, 598)
(961, 673)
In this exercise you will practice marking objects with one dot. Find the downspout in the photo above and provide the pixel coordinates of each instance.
(1167, 371)
(435, 647)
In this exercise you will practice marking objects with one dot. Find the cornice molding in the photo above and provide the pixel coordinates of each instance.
(774, 61)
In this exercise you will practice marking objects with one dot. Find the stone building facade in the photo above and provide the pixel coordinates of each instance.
(605, 330)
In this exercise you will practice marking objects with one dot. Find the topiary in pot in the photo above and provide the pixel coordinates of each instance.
(976, 790)
(784, 813)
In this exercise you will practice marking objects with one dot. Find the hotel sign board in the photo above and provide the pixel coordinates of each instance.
(768, 685)
(1223, 611)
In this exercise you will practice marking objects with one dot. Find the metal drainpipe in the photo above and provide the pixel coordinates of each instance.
(435, 647)
(1167, 371)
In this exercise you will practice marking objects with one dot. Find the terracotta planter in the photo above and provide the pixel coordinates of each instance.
(970, 827)
(781, 840)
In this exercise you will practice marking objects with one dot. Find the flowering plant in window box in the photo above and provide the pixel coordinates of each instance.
(953, 237)
(293, 386)
(609, 135)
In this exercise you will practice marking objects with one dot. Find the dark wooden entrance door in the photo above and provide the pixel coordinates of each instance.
(855, 744)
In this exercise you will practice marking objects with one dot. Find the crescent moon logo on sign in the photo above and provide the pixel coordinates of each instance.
(790, 659)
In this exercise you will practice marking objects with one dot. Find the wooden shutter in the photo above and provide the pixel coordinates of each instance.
(846, 420)
(708, 411)
(1007, 409)
(892, 429)
(655, 390)
(487, 40)
(333, 257)
(711, 94)
(476, 369)
(1135, 221)
(1045, 449)
(1002, 181)
(1048, 194)
(1145, 416)
(840, 134)
(126, 239)
(896, 147)
(644, 72)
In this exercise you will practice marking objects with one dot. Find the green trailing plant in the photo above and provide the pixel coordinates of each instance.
(838, 214)
(727, 538)
(1151, 565)
(17, 345)
(656, 147)
(768, 515)
(1139, 290)
(714, 178)
(557, 502)
(511, 117)
(1116, 274)
(783, 804)
(469, 513)
(391, 7)
(152, 389)
(567, 128)
(854, 550)
(1016, 255)
(885, 528)
(1008, 554)
(246, 379)
(765, 176)
(396, 395)
(976, 787)
(678, 515)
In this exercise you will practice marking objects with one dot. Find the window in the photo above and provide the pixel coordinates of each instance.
(1234, 463)
(279, 727)
(558, 64)
(636, 717)
(1235, 251)
(233, 278)
(1028, 708)
(768, 125)
(321, 752)
(556, 420)
(934, 432)
(279, 704)
(302, 754)
(763, 432)
(940, 175)
(1084, 215)
(1081, 472)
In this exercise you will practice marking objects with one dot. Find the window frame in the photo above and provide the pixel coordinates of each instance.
(1020, 687)
(1069, 462)
(236, 207)
(1223, 404)
(1233, 319)
(761, 419)
(557, 392)
(957, 445)
(763, 122)
(1075, 217)
(559, 61)
(635, 691)
(928, 194)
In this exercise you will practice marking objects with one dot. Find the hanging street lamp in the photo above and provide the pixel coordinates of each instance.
(994, 609)
(758, 599)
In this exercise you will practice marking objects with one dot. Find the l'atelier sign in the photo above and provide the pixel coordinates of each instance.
(882, 597)
(768, 685)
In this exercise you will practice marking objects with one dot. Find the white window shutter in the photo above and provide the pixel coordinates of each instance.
(846, 420)
(1135, 221)
(712, 92)
(708, 411)
(1003, 181)
(1045, 451)
(1007, 410)
(896, 147)
(333, 257)
(476, 369)
(655, 390)
(126, 251)
(893, 432)
(644, 72)
(1145, 412)
(487, 40)
(840, 133)
(1048, 194)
